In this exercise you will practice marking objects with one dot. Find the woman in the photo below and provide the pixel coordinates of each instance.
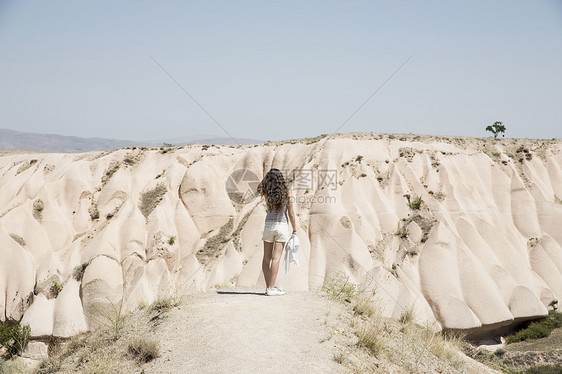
(276, 230)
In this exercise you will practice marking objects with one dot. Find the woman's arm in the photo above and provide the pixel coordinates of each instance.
(291, 212)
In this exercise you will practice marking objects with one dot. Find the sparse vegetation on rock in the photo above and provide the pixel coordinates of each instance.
(78, 271)
(415, 203)
(402, 232)
(151, 199)
(109, 172)
(38, 207)
(26, 165)
(18, 239)
(56, 288)
(94, 212)
(214, 245)
(172, 240)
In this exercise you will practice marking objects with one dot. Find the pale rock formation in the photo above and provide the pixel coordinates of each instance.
(83, 236)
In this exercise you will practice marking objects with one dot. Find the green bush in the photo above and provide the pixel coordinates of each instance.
(416, 203)
(56, 288)
(538, 329)
(14, 337)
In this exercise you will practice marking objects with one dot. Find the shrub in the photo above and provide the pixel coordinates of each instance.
(56, 288)
(538, 329)
(14, 337)
(416, 203)
(172, 240)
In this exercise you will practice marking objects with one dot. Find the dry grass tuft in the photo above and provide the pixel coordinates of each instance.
(443, 346)
(111, 317)
(407, 316)
(144, 349)
(164, 305)
(364, 307)
(340, 288)
(339, 357)
(371, 337)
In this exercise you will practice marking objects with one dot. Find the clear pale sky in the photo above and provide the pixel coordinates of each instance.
(275, 70)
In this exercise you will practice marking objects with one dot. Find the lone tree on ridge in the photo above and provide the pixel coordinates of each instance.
(496, 129)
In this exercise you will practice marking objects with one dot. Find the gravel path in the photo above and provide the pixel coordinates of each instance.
(247, 332)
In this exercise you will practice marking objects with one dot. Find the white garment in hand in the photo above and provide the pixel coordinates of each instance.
(291, 249)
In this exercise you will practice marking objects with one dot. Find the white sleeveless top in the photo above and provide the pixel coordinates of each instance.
(280, 216)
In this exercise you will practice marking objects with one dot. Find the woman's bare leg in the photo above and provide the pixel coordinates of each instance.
(275, 259)
(266, 262)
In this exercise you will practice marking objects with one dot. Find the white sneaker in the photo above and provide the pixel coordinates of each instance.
(275, 291)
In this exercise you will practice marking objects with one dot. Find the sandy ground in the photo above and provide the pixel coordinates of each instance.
(243, 331)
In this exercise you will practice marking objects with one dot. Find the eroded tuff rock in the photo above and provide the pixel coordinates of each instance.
(88, 233)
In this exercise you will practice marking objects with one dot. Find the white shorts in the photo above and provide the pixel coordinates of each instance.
(275, 232)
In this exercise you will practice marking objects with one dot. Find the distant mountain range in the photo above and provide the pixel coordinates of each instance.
(11, 140)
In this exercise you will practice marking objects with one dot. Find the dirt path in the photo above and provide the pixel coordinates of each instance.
(247, 332)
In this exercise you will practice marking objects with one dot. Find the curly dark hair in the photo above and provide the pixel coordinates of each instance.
(274, 188)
